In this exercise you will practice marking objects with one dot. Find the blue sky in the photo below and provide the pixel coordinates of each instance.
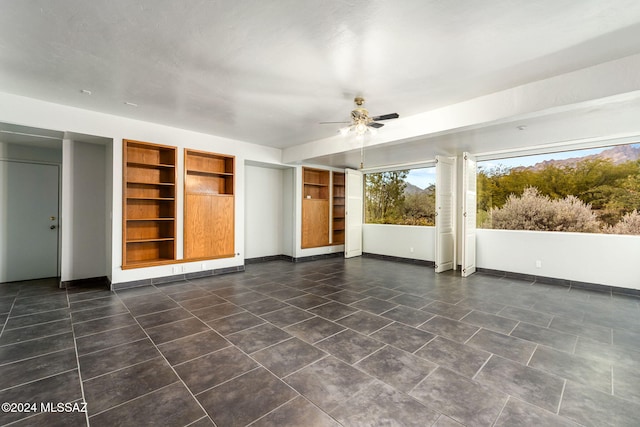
(532, 160)
(422, 177)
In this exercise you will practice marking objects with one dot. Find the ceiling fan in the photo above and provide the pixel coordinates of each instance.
(361, 122)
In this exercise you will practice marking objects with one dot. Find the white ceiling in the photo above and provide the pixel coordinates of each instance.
(267, 72)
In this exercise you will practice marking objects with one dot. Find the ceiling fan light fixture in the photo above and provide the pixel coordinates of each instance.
(361, 123)
(360, 128)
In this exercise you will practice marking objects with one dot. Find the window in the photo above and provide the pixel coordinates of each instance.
(404, 197)
(592, 191)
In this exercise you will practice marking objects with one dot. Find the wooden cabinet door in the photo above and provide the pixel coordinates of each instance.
(209, 233)
(315, 223)
(222, 225)
(198, 210)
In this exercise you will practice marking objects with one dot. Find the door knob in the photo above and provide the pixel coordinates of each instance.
(52, 227)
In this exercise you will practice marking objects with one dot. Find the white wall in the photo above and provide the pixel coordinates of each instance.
(604, 259)
(31, 153)
(264, 216)
(84, 214)
(288, 211)
(399, 240)
(30, 112)
(108, 203)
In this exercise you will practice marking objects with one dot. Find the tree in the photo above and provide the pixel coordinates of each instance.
(385, 196)
(420, 208)
(612, 190)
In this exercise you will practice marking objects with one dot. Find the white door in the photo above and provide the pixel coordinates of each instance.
(28, 221)
(353, 213)
(445, 213)
(468, 215)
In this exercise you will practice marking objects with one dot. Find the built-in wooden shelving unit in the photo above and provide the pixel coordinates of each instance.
(209, 205)
(338, 209)
(149, 204)
(315, 207)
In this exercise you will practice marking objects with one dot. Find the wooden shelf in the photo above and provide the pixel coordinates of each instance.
(323, 208)
(149, 204)
(315, 184)
(151, 240)
(149, 165)
(151, 184)
(202, 172)
(209, 205)
(315, 207)
(150, 219)
(338, 211)
(152, 198)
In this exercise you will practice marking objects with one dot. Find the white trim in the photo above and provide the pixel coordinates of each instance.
(401, 166)
(582, 144)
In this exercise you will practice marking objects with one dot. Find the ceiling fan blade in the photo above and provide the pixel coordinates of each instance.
(375, 125)
(386, 117)
(328, 123)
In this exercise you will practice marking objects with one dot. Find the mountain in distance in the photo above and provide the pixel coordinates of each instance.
(618, 154)
(414, 189)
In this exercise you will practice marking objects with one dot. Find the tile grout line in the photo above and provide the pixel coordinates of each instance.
(97, 318)
(101, 332)
(422, 380)
(75, 349)
(296, 323)
(474, 334)
(122, 368)
(379, 329)
(32, 339)
(226, 381)
(390, 346)
(217, 318)
(425, 344)
(532, 353)
(37, 355)
(179, 379)
(273, 410)
(4, 324)
(501, 410)
(611, 373)
(259, 366)
(483, 365)
(38, 312)
(422, 324)
(41, 378)
(564, 386)
(205, 417)
(575, 345)
(329, 336)
(133, 399)
(206, 354)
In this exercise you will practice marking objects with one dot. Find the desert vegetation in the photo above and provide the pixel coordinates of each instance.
(390, 199)
(593, 195)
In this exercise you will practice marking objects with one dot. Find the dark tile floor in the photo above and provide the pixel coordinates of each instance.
(362, 342)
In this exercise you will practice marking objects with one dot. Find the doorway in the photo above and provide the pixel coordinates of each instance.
(29, 233)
